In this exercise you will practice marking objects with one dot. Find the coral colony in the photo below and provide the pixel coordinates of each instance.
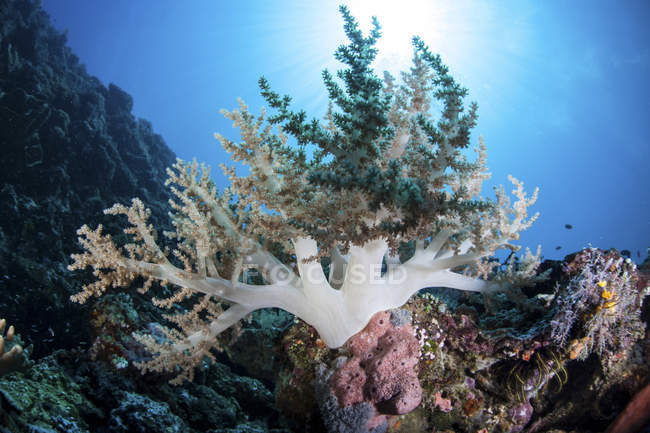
(322, 230)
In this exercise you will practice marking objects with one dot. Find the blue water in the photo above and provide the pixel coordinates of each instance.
(562, 87)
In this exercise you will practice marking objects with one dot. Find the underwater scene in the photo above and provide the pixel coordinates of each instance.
(324, 217)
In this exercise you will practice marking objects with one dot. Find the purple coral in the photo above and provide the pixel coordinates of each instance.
(601, 303)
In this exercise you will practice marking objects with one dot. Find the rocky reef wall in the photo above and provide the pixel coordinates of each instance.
(70, 147)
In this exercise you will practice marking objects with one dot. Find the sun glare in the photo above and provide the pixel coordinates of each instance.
(461, 31)
(449, 28)
(399, 21)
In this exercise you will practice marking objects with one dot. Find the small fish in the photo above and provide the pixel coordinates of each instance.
(558, 247)
(568, 226)
(638, 253)
(626, 253)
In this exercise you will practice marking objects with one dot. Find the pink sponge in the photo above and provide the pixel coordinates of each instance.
(382, 371)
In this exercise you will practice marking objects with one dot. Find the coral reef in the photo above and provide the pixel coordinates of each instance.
(567, 354)
(603, 296)
(44, 397)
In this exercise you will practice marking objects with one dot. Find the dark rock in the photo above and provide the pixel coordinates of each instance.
(44, 398)
(70, 148)
(140, 414)
(255, 349)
